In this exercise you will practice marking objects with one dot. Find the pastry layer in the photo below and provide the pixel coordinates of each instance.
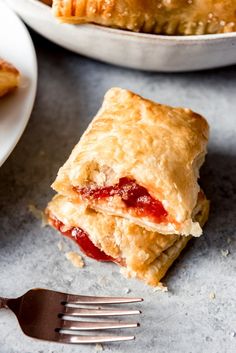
(9, 77)
(181, 17)
(156, 149)
(145, 254)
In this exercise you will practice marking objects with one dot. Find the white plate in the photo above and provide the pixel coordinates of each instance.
(16, 47)
(134, 50)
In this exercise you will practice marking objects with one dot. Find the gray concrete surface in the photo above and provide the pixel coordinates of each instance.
(184, 320)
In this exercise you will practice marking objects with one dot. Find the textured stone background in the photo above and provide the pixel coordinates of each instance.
(184, 320)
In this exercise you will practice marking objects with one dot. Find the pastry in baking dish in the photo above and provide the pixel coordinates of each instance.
(139, 160)
(181, 17)
(9, 77)
(144, 254)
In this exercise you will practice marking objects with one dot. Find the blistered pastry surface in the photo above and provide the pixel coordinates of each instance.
(181, 17)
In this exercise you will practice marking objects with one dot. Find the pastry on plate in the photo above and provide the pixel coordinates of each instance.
(139, 160)
(9, 77)
(144, 254)
(172, 17)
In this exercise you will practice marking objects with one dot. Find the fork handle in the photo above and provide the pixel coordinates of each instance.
(3, 303)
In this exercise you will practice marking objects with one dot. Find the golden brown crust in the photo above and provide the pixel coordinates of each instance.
(182, 17)
(153, 274)
(147, 255)
(159, 267)
(114, 235)
(47, 2)
(160, 147)
(9, 77)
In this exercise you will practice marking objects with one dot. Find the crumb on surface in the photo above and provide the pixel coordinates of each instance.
(212, 295)
(39, 214)
(75, 259)
(103, 281)
(60, 245)
(233, 334)
(99, 347)
(225, 252)
(127, 290)
(160, 288)
(125, 272)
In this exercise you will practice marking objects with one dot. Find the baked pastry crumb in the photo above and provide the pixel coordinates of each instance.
(160, 288)
(75, 259)
(212, 295)
(126, 272)
(225, 252)
(104, 281)
(60, 245)
(99, 347)
(39, 214)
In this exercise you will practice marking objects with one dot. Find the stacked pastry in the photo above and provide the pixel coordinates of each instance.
(129, 191)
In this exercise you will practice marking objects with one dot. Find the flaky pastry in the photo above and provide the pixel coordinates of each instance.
(180, 17)
(139, 160)
(145, 254)
(9, 77)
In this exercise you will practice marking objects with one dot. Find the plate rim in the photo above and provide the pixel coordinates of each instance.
(33, 90)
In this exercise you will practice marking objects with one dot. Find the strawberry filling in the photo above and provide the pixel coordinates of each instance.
(82, 239)
(135, 197)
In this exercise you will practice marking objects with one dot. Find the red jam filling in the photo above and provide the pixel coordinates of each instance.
(82, 239)
(134, 196)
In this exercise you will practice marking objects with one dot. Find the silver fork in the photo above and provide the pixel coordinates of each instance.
(50, 315)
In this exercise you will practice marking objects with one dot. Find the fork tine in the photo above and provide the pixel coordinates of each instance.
(83, 299)
(99, 325)
(67, 338)
(97, 312)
